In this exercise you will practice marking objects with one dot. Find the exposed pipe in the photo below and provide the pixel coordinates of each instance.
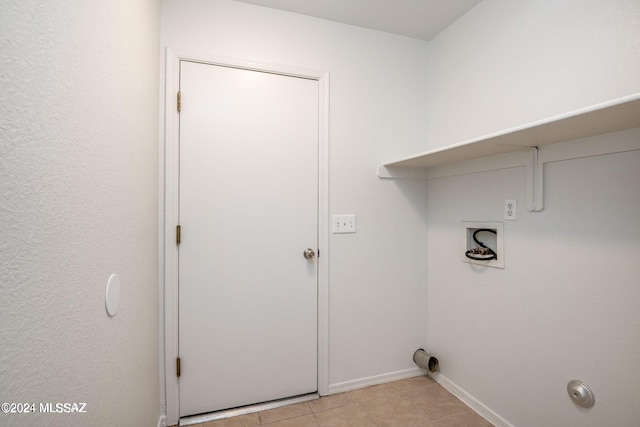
(425, 361)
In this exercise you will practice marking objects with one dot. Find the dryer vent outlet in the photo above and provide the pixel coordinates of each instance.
(425, 361)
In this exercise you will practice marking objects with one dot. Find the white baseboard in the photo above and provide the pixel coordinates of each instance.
(378, 379)
(162, 421)
(471, 401)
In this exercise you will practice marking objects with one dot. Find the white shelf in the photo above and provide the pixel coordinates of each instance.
(616, 115)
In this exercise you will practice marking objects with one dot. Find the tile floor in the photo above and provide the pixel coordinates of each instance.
(414, 402)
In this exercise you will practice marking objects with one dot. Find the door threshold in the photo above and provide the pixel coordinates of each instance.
(244, 410)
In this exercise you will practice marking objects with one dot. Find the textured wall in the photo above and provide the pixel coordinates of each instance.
(78, 201)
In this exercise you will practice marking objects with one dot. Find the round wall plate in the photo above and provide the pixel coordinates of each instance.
(112, 295)
(581, 393)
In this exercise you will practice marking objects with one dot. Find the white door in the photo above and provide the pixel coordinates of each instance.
(248, 210)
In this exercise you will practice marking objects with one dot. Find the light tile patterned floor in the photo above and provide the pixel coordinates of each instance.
(414, 402)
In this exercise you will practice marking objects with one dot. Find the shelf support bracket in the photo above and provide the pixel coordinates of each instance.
(535, 181)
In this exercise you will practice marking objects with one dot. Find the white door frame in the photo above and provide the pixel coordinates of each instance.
(168, 191)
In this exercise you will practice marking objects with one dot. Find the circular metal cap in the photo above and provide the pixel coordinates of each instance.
(581, 394)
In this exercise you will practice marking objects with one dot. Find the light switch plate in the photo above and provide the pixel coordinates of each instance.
(343, 224)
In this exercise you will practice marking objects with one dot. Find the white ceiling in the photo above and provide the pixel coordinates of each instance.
(420, 19)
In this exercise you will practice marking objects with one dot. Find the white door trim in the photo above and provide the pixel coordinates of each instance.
(168, 191)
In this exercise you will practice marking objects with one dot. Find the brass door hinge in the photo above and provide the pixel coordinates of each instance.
(177, 234)
(179, 101)
(178, 366)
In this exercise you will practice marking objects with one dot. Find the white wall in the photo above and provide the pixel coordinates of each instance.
(508, 63)
(565, 306)
(78, 202)
(377, 283)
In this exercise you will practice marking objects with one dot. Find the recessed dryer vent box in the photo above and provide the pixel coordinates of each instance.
(491, 240)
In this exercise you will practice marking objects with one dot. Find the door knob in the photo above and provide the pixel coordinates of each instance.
(309, 253)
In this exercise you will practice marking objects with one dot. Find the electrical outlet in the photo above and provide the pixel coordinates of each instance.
(510, 209)
(343, 224)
